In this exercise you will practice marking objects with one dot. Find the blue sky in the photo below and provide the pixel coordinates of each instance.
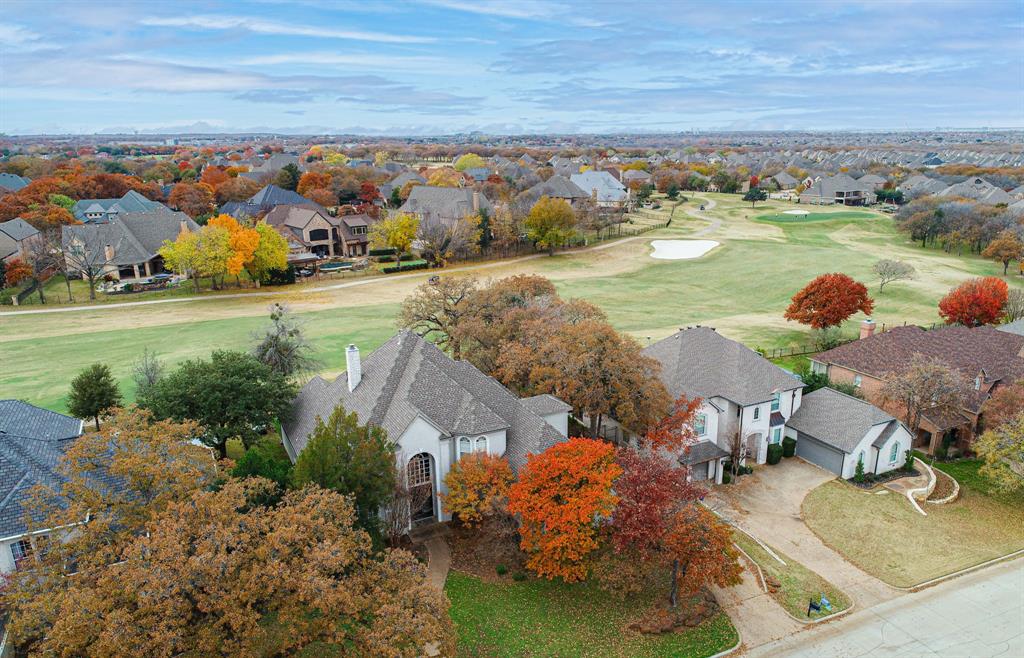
(434, 66)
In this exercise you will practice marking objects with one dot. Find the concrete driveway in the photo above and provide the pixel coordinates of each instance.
(767, 505)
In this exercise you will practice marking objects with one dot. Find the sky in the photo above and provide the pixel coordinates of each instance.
(508, 66)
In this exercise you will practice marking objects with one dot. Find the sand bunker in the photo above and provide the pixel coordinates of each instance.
(797, 212)
(681, 249)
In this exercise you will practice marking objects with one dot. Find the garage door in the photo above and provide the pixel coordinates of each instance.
(818, 453)
(699, 472)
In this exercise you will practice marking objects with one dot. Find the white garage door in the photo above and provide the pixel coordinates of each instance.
(699, 472)
(819, 453)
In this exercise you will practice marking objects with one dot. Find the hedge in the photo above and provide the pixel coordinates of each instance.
(405, 267)
(774, 453)
(391, 259)
(381, 252)
(788, 446)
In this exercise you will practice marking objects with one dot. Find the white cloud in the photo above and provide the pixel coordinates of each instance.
(261, 26)
(361, 60)
(22, 39)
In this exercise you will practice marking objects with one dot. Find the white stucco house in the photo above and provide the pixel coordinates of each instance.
(835, 431)
(744, 395)
(436, 409)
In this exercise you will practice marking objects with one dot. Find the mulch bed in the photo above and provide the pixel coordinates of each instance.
(480, 551)
(688, 615)
(943, 486)
(872, 481)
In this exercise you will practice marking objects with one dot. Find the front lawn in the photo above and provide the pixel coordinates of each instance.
(545, 618)
(883, 535)
(798, 584)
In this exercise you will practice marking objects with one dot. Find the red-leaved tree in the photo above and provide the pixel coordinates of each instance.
(675, 431)
(560, 495)
(829, 300)
(975, 302)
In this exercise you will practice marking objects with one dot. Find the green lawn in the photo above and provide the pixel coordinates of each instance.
(544, 618)
(741, 288)
(885, 536)
(798, 583)
(815, 216)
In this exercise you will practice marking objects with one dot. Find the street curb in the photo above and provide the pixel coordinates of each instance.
(739, 642)
(956, 574)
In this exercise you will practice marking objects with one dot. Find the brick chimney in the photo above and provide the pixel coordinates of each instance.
(476, 201)
(354, 367)
(867, 328)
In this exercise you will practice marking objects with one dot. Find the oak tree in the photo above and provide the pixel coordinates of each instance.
(828, 301)
(550, 223)
(975, 302)
(1005, 248)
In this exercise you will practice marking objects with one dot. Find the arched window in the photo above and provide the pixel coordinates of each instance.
(419, 470)
(465, 446)
(894, 452)
(481, 444)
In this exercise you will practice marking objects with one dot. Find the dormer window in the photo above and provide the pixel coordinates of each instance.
(977, 383)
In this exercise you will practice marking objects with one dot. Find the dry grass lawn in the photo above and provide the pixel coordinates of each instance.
(883, 535)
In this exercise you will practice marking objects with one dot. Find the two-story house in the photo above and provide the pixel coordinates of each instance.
(437, 410)
(746, 398)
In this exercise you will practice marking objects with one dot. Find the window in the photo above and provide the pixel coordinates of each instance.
(894, 452)
(757, 412)
(358, 230)
(419, 470)
(481, 444)
(465, 446)
(319, 234)
(700, 424)
(857, 380)
(977, 383)
(775, 401)
(21, 551)
(777, 435)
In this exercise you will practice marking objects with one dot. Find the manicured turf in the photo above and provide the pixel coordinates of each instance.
(798, 583)
(813, 216)
(543, 618)
(741, 288)
(886, 537)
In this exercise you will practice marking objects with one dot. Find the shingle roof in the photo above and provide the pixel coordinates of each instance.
(18, 229)
(699, 361)
(32, 440)
(131, 202)
(608, 189)
(700, 452)
(272, 195)
(13, 182)
(979, 189)
(557, 187)
(837, 419)
(408, 377)
(443, 204)
(135, 237)
(1015, 327)
(545, 403)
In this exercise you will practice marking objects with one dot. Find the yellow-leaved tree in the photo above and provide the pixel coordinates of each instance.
(242, 240)
(395, 232)
(271, 252)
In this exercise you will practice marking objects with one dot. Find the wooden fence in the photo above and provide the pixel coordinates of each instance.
(811, 348)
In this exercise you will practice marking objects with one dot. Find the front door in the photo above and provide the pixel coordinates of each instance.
(421, 488)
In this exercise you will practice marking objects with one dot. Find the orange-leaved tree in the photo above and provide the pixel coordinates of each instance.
(975, 302)
(478, 486)
(701, 550)
(675, 432)
(829, 300)
(243, 242)
(560, 496)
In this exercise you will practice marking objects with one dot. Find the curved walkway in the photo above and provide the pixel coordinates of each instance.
(715, 224)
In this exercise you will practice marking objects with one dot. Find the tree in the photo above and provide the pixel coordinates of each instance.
(702, 553)
(975, 302)
(268, 459)
(550, 223)
(922, 385)
(93, 392)
(193, 199)
(146, 372)
(478, 486)
(16, 271)
(1006, 247)
(288, 177)
(560, 496)
(888, 270)
(352, 459)
(236, 189)
(1003, 405)
(1002, 448)
(271, 253)
(325, 592)
(92, 264)
(242, 241)
(755, 194)
(203, 253)
(312, 180)
(469, 161)
(435, 309)
(828, 301)
(231, 395)
(441, 241)
(443, 177)
(283, 346)
(1013, 309)
(395, 232)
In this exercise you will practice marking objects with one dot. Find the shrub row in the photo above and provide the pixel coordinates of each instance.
(391, 258)
(406, 267)
(381, 252)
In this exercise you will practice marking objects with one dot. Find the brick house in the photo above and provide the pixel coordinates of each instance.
(985, 357)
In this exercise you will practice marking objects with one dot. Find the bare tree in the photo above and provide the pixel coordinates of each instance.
(396, 514)
(925, 384)
(146, 372)
(888, 270)
(441, 241)
(738, 451)
(283, 346)
(91, 262)
(434, 310)
(1013, 309)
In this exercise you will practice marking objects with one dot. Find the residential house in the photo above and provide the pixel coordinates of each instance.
(557, 187)
(602, 187)
(1017, 192)
(437, 410)
(32, 441)
(268, 198)
(980, 190)
(872, 181)
(839, 189)
(984, 356)
(445, 205)
(478, 174)
(920, 185)
(12, 183)
(16, 236)
(316, 232)
(836, 431)
(744, 395)
(785, 181)
(638, 176)
(400, 181)
(262, 169)
(125, 246)
(103, 210)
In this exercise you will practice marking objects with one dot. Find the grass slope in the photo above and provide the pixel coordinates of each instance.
(544, 618)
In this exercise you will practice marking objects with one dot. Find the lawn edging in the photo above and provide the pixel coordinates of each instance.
(951, 497)
(956, 574)
(924, 492)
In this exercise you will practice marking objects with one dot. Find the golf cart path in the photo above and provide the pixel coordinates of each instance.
(715, 224)
(327, 288)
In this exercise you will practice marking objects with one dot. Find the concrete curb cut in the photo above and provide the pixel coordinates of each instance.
(760, 574)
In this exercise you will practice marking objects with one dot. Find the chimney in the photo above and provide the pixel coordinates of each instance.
(184, 226)
(355, 368)
(476, 201)
(108, 253)
(867, 328)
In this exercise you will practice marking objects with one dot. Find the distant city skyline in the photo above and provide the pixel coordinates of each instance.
(431, 67)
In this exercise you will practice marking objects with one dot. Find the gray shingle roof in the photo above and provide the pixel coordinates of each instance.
(13, 182)
(557, 187)
(608, 189)
(18, 229)
(837, 419)
(131, 202)
(32, 441)
(1015, 327)
(442, 204)
(408, 377)
(702, 451)
(979, 189)
(700, 362)
(135, 237)
(545, 403)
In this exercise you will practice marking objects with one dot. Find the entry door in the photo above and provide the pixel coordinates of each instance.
(421, 487)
